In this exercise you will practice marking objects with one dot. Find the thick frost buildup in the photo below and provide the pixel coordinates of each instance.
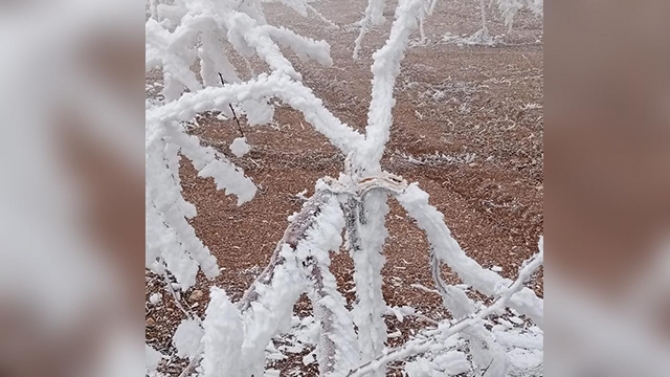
(236, 340)
(304, 264)
(271, 373)
(152, 358)
(420, 368)
(374, 15)
(155, 298)
(337, 348)
(368, 262)
(271, 312)
(239, 147)
(171, 240)
(177, 36)
(223, 337)
(212, 164)
(278, 86)
(451, 363)
(258, 112)
(415, 202)
(187, 338)
(385, 70)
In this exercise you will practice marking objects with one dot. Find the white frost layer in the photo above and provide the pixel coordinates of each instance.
(239, 147)
(155, 298)
(279, 86)
(187, 338)
(177, 36)
(449, 364)
(337, 348)
(370, 306)
(223, 337)
(415, 202)
(152, 358)
(385, 70)
(171, 240)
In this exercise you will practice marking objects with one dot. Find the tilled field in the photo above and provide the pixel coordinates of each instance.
(467, 126)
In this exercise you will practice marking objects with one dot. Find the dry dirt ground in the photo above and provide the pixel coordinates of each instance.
(467, 126)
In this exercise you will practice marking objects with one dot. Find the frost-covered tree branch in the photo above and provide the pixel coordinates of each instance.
(294, 234)
(509, 9)
(385, 70)
(448, 328)
(292, 93)
(172, 45)
(232, 339)
(300, 264)
(374, 15)
(445, 247)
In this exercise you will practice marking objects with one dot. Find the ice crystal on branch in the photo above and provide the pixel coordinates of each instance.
(172, 45)
(509, 8)
(233, 337)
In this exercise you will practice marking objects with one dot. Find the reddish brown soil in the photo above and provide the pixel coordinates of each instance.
(492, 204)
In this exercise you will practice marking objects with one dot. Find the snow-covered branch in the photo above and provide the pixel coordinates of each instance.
(509, 8)
(415, 202)
(190, 31)
(232, 339)
(291, 92)
(450, 328)
(299, 264)
(374, 15)
(293, 235)
(385, 70)
(366, 235)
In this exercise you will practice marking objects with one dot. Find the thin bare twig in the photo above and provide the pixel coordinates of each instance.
(168, 285)
(237, 120)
